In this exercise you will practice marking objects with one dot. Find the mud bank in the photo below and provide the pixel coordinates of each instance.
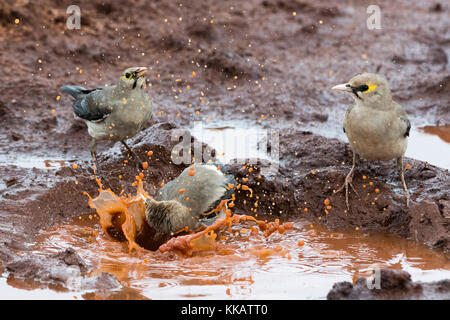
(394, 285)
(305, 186)
(203, 67)
(65, 269)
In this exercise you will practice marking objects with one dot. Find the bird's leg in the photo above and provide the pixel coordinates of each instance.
(93, 147)
(402, 177)
(97, 174)
(135, 156)
(348, 179)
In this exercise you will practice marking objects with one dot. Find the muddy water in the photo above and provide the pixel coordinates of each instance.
(243, 267)
(431, 144)
(234, 141)
(301, 263)
(30, 161)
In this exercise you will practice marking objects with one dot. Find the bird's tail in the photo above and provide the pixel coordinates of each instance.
(74, 91)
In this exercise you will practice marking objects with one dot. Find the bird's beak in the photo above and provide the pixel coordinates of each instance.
(343, 87)
(141, 72)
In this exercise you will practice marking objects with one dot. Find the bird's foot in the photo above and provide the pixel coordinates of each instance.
(407, 198)
(348, 182)
(94, 162)
(402, 178)
(405, 190)
(97, 171)
(139, 164)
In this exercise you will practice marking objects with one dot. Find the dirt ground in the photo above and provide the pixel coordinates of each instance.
(267, 63)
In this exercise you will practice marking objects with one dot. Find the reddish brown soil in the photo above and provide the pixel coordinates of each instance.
(250, 58)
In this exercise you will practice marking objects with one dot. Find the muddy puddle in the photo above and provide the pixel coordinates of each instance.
(235, 140)
(25, 161)
(430, 144)
(275, 76)
(302, 263)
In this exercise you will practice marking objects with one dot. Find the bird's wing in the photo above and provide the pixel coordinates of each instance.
(403, 116)
(346, 116)
(90, 105)
(74, 91)
(407, 124)
(205, 189)
(229, 181)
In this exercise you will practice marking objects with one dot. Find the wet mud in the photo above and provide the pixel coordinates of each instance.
(274, 76)
(393, 285)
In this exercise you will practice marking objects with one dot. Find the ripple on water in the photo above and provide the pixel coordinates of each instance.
(248, 267)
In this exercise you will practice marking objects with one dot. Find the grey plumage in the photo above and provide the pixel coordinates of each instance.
(376, 126)
(203, 187)
(115, 112)
(84, 106)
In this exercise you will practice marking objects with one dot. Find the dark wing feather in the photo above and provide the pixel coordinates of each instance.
(87, 106)
(349, 109)
(408, 126)
(74, 91)
(227, 195)
(400, 111)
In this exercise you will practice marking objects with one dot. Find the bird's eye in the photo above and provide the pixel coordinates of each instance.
(128, 75)
(363, 88)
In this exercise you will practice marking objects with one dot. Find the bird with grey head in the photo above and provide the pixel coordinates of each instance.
(116, 112)
(377, 127)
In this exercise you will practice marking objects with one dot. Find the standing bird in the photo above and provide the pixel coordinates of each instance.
(376, 126)
(116, 112)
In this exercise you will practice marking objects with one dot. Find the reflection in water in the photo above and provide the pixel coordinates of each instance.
(442, 132)
(245, 266)
(431, 144)
(30, 161)
(231, 142)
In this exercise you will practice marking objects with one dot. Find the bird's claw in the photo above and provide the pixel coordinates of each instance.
(348, 181)
(354, 190)
(407, 198)
(139, 165)
(94, 162)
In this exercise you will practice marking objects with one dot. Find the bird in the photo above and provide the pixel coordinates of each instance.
(376, 126)
(116, 112)
(188, 202)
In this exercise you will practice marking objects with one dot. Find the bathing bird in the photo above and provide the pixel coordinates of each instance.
(190, 200)
(116, 112)
(195, 199)
(377, 127)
